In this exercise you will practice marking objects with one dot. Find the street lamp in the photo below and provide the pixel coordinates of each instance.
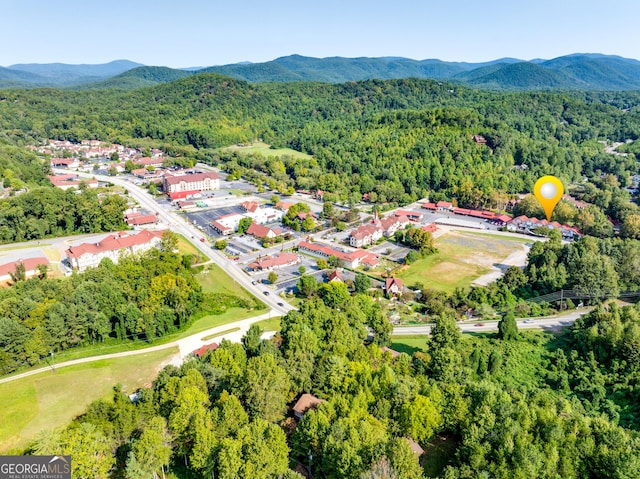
(52, 364)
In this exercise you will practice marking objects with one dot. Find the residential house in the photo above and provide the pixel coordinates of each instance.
(393, 286)
(479, 139)
(283, 205)
(430, 228)
(429, 206)
(262, 232)
(335, 275)
(306, 402)
(415, 447)
(88, 255)
(394, 353)
(250, 206)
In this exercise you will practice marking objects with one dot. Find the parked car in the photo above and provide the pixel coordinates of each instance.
(266, 293)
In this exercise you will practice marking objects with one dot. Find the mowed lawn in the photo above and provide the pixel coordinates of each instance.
(52, 399)
(265, 150)
(214, 280)
(461, 258)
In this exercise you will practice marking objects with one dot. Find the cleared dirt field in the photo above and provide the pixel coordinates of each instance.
(464, 258)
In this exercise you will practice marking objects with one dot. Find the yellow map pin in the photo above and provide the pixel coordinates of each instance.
(549, 191)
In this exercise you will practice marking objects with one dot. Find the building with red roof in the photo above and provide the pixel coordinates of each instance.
(30, 267)
(141, 220)
(250, 206)
(202, 350)
(273, 262)
(411, 215)
(262, 232)
(88, 255)
(191, 182)
(393, 286)
(353, 259)
(64, 182)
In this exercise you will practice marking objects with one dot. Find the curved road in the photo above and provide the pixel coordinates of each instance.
(190, 343)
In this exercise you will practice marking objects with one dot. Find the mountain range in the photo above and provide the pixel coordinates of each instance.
(580, 71)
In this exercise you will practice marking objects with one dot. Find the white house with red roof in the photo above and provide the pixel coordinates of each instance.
(369, 233)
(88, 255)
(393, 286)
(250, 206)
(262, 232)
(524, 223)
(30, 267)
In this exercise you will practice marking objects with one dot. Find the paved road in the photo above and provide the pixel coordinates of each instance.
(179, 225)
(551, 322)
(185, 346)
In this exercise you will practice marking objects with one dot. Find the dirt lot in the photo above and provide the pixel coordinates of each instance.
(465, 258)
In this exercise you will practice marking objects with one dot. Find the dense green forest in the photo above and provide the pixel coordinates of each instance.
(397, 140)
(49, 212)
(537, 405)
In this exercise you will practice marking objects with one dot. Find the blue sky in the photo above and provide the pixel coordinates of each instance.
(184, 33)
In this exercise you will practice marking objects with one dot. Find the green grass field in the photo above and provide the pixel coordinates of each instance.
(409, 344)
(461, 258)
(272, 324)
(265, 150)
(214, 280)
(186, 247)
(52, 399)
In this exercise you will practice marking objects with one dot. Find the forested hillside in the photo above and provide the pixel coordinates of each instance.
(399, 140)
(529, 406)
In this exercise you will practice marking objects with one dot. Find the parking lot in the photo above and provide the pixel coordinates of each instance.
(202, 219)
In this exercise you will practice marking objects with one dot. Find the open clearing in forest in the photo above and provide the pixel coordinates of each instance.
(51, 399)
(265, 150)
(462, 259)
